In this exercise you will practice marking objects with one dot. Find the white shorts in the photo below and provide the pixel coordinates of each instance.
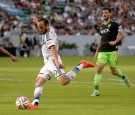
(50, 69)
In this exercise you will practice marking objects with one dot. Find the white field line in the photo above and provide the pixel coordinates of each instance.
(75, 82)
(16, 80)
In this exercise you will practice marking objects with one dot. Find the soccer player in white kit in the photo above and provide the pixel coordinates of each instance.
(52, 62)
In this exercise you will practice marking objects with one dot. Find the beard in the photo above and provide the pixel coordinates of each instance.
(106, 18)
(43, 32)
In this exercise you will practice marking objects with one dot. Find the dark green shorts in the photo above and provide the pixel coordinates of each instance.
(108, 57)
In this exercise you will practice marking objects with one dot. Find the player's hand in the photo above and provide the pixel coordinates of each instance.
(35, 20)
(62, 66)
(14, 59)
(112, 43)
(58, 64)
(96, 55)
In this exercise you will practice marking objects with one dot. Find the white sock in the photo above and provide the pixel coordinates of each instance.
(35, 101)
(80, 66)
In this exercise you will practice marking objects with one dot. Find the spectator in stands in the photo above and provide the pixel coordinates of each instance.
(8, 43)
(24, 50)
(86, 14)
(93, 46)
(29, 43)
(37, 45)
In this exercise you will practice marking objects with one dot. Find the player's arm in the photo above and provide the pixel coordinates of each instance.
(55, 55)
(35, 20)
(2, 50)
(53, 46)
(99, 45)
(120, 36)
(98, 48)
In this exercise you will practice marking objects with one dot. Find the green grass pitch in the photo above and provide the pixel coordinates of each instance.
(17, 79)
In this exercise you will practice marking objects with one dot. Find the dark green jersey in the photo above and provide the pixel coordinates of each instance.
(109, 32)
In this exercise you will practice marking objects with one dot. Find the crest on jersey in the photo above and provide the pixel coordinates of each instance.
(109, 25)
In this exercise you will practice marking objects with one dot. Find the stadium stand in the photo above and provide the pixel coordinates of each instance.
(69, 17)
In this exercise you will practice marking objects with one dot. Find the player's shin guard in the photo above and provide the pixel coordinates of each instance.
(37, 94)
(120, 74)
(97, 80)
(71, 74)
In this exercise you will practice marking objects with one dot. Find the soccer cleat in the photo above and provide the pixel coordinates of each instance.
(87, 64)
(95, 93)
(127, 81)
(31, 106)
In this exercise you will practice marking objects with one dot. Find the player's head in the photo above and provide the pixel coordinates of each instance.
(43, 25)
(106, 12)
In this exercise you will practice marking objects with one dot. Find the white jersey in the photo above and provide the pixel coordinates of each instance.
(50, 68)
(49, 39)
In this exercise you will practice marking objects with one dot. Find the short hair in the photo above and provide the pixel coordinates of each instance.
(46, 21)
(107, 8)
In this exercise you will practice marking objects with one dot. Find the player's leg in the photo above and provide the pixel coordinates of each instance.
(43, 76)
(64, 79)
(97, 79)
(101, 62)
(38, 89)
(113, 61)
(37, 92)
(119, 73)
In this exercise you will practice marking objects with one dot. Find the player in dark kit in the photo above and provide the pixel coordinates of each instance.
(110, 34)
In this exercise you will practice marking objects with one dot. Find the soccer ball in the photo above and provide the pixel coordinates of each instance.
(22, 102)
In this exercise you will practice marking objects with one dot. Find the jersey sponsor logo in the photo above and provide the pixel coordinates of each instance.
(104, 31)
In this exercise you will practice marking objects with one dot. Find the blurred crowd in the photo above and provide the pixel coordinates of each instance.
(69, 17)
